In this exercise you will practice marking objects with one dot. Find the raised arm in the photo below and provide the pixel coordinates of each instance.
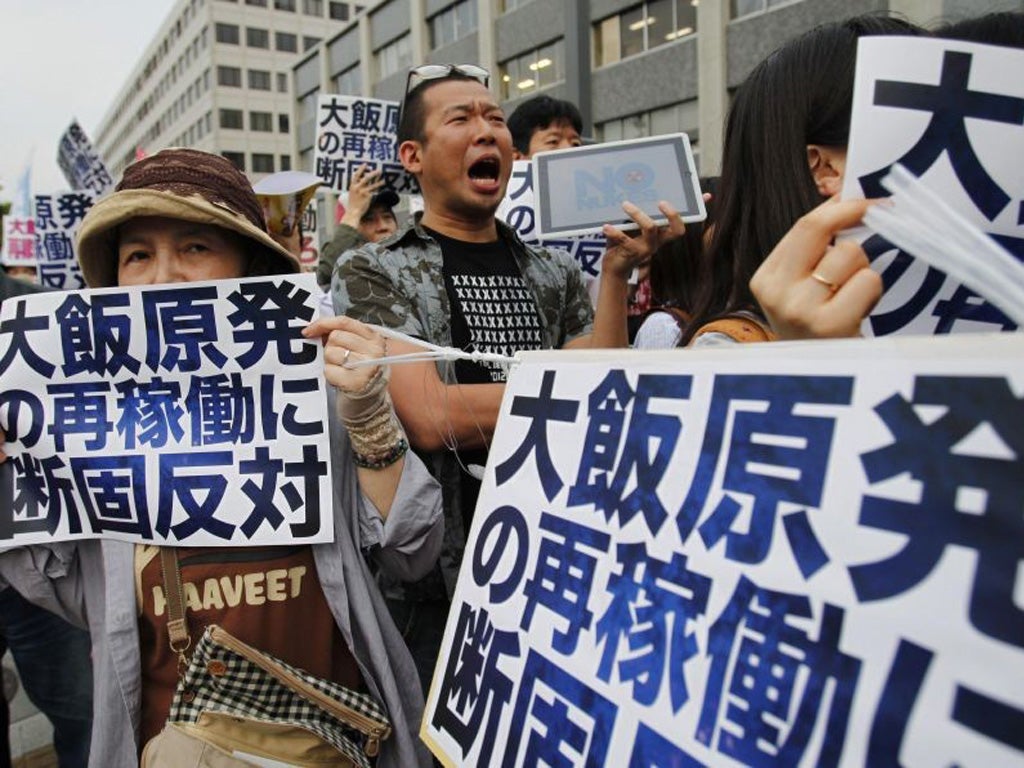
(625, 253)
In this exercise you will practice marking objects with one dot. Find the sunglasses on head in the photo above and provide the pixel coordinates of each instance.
(419, 75)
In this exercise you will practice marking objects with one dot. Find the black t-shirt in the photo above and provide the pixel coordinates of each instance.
(493, 310)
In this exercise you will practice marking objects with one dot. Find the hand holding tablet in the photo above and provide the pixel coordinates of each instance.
(579, 190)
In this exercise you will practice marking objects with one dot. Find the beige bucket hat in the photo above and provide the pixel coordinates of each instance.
(179, 184)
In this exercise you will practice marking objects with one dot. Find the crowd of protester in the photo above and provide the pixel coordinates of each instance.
(407, 439)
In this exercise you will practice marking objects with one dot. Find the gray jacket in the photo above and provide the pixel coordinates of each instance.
(92, 584)
(398, 283)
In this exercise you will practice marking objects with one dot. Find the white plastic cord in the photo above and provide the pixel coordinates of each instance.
(431, 352)
(922, 224)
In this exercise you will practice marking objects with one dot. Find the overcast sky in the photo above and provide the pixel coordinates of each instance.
(63, 59)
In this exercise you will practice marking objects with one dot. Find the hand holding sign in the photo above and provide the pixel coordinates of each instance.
(812, 287)
(366, 182)
(347, 340)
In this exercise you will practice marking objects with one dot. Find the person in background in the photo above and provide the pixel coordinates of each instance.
(785, 153)
(369, 218)
(544, 123)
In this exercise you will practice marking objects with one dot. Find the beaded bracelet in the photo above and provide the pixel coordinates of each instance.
(393, 454)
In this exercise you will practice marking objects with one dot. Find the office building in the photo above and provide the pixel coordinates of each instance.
(217, 77)
(634, 68)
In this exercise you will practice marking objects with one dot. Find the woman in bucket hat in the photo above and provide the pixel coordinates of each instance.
(182, 216)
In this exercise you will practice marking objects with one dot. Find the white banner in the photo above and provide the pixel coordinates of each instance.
(518, 212)
(353, 131)
(190, 414)
(787, 554)
(953, 114)
(58, 218)
(80, 164)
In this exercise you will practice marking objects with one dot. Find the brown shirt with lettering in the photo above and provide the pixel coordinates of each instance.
(267, 597)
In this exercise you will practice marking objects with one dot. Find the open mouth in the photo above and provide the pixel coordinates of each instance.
(485, 170)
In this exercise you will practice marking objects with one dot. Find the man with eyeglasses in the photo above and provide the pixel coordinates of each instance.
(457, 276)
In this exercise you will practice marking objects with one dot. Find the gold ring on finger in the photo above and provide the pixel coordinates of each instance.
(832, 287)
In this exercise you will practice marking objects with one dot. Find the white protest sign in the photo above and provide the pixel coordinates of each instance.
(80, 164)
(788, 554)
(19, 249)
(188, 414)
(58, 218)
(353, 131)
(953, 114)
(517, 211)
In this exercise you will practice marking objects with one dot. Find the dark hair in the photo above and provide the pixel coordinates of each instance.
(801, 94)
(538, 113)
(1005, 28)
(413, 115)
(677, 266)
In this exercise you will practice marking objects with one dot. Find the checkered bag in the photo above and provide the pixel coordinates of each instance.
(226, 677)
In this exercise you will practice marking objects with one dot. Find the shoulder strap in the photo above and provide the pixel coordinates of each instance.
(177, 623)
(739, 328)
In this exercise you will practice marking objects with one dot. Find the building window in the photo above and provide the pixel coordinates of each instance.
(231, 118)
(262, 163)
(227, 33)
(236, 158)
(229, 76)
(257, 38)
(259, 79)
(313, 7)
(308, 105)
(261, 121)
(286, 41)
(284, 5)
(349, 82)
(453, 24)
(286, 162)
(394, 57)
(536, 69)
(257, 3)
(643, 27)
(309, 42)
(511, 5)
(747, 7)
(680, 117)
(282, 123)
(282, 82)
(338, 11)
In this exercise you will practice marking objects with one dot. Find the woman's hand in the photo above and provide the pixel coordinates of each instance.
(348, 341)
(813, 287)
(625, 252)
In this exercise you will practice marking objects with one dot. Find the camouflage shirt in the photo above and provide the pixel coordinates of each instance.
(398, 283)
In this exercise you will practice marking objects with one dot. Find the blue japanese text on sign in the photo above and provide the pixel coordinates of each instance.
(57, 218)
(517, 211)
(190, 414)
(760, 559)
(352, 131)
(953, 114)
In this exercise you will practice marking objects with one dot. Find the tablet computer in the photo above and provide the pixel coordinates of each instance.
(578, 190)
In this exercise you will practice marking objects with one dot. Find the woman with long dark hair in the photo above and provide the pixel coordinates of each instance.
(785, 153)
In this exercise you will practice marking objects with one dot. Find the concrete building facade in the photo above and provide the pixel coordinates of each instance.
(217, 77)
(634, 68)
